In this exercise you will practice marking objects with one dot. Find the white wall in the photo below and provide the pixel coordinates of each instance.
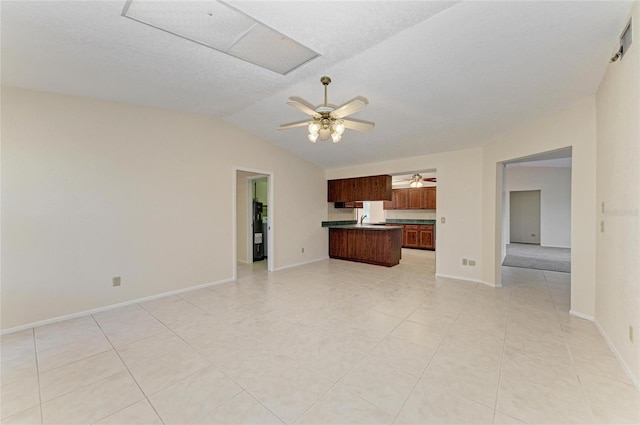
(459, 199)
(618, 180)
(554, 184)
(94, 189)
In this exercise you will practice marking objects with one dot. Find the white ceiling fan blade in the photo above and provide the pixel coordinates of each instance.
(294, 125)
(303, 106)
(358, 125)
(351, 107)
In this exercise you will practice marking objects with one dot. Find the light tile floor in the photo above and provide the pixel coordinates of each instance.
(332, 342)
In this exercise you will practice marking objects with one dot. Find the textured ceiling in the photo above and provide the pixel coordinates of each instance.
(439, 76)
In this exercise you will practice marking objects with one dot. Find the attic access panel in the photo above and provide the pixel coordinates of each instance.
(221, 27)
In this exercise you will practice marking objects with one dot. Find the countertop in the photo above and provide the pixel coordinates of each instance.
(365, 226)
(409, 221)
(343, 223)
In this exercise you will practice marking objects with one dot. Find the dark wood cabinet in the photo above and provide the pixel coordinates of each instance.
(371, 188)
(429, 198)
(400, 199)
(422, 198)
(417, 235)
(338, 243)
(381, 247)
(415, 199)
(425, 236)
(411, 236)
(357, 204)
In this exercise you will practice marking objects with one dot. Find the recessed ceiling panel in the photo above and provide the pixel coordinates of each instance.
(271, 50)
(221, 27)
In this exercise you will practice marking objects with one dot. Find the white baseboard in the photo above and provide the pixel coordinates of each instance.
(109, 307)
(466, 279)
(300, 264)
(582, 315)
(613, 348)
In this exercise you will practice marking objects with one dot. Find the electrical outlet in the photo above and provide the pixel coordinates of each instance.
(472, 262)
(303, 250)
(602, 227)
(116, 281)
(464, 261)
(631, 333)
(442, 220)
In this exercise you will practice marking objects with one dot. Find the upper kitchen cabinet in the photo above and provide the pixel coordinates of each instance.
(422, 198)
(429, 198)
(372, 188)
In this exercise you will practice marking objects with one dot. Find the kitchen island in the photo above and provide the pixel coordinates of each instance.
(366, 243)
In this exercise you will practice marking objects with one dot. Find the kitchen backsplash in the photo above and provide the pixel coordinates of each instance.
(335, 214)
(411, 214)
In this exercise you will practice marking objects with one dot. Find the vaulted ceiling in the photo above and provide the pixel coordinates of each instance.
(439, 76)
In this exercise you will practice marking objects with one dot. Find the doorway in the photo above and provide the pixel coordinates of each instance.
(248, 186)
(524, 216)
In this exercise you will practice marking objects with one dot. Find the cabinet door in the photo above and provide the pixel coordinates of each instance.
(387, 205)
(411, 236)
(400, 199)
(333, 188)
(429, 198)
(415, 199)
(426, 237)
(338, 243)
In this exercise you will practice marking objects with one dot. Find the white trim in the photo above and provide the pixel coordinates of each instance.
(581, 315)
(466, 279)
(270, 218)
(613, 348)
(110, 307)
(555, 246)
(301, 264)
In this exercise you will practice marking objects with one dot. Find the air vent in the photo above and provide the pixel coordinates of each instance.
(221, 27)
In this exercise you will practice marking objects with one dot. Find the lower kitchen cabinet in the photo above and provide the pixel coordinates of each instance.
(379, 246)
(419, 236)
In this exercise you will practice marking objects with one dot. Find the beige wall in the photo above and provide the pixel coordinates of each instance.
(573, 127)
(93, 190)
(618, 179)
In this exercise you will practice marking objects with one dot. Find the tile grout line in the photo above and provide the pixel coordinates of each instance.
(504, 349)
(397, 416)
(352, 368)
(130, 374)
(573, 362)
(35, 354)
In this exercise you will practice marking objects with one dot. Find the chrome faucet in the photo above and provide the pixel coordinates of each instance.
(362, 219)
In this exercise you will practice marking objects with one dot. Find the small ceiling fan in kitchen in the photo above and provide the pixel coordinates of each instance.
(328, 120)
(416, 180)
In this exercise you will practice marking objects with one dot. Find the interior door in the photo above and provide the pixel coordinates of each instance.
(524, 216)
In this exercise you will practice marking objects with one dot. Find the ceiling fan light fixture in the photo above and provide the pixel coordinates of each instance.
(314, 128)
(416, 180)
(325, 133)
(328, 120)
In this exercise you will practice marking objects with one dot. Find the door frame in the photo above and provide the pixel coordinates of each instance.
(270, 218)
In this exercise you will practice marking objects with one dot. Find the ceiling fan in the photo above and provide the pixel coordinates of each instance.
(328, 120)
(415, 180)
